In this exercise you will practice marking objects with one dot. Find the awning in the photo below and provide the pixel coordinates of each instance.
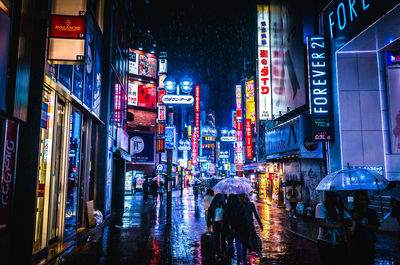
(122, 154)
(283, 156)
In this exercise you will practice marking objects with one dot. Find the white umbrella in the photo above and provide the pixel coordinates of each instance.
(194, 180)
(233, 185)
(159, 178)
(352, 179)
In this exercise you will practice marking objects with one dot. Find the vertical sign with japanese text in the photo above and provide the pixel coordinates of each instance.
(249, 144)
(250, 103)
(196, 129)
(263, 71)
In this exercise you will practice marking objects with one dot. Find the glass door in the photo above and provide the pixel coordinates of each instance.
(58, 170)
(44, 174)
(73, 175)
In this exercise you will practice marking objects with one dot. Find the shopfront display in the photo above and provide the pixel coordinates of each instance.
(73, 177)
(364, 83)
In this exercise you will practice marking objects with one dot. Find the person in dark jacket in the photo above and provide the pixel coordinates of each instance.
(247, 232)
(365, 225)
(154, 191)
(145, 191)
(215, 218)
(232, 223)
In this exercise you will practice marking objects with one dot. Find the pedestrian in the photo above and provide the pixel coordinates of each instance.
(250, 240)
(196, 191)
(395, 204)
(161, 192)
(207, 202)
(232, 223)
(154, 191)
(292, 195)
(145, 191)
(365, 224)
(332, 218)
(215, 218)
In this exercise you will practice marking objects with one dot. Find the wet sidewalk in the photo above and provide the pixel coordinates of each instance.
(142, 237)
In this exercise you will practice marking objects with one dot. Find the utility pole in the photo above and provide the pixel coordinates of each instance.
(169, 169)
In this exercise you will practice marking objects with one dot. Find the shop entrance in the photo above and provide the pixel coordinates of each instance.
(73, 176)
(51, 170)
(367, 87)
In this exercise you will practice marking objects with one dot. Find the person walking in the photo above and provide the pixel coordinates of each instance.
(293, 197)
(215, 218)
(365, 224)
(250, 240)
(332, 220)
(145, 191)
(232, 223)
(196, 191)
(154, 191)
(207, 202)
(161, 192)
(395, 213)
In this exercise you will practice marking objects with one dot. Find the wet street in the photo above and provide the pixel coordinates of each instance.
(141, 237)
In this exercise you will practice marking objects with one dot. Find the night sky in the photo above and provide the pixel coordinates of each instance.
(208, 40)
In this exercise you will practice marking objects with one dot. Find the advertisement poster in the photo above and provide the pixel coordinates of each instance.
(162, 113)
(65, 75)
(141, 147)
(133, 66)
(77, 84)
(393, 82)
(89, 59)
(147, 96)
(132, 94)
(148, 65)
(169, 137)
(287, 59)
(283, 138)
(97, 71)
(4, 43)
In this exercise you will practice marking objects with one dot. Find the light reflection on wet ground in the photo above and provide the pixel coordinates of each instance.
(141, 237)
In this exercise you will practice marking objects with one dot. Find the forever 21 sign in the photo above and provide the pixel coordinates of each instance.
(319, 87)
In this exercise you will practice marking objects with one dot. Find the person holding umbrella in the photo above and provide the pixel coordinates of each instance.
(332, 220)
(362, 235)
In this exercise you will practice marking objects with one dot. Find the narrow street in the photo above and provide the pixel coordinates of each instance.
(142, 237)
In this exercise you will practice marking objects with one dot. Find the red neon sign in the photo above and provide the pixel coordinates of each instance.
(249, 145)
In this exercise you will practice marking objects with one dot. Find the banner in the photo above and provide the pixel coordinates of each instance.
(249, 144)
(264, 64)
(8, 170)
(250, 102)
(141, 147)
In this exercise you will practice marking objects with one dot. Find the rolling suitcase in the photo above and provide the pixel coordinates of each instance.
(208, 248)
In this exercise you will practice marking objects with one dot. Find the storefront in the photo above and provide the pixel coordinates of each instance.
(67, 157)
(293, 161)
(365, 49)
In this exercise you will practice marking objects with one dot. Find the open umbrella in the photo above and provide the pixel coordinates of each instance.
(352, 179)
(159, 178)
(195, 181)
(233, 185)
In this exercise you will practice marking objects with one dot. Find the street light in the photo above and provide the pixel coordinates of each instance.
(173, 86)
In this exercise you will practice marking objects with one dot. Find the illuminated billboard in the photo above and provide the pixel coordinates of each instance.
(142, 95)
(250, 103)
(287, 58)
(264, 63)
(143, 64)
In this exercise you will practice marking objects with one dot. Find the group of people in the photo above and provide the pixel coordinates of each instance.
(151, 187)
(230, 218)
(346, 237)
